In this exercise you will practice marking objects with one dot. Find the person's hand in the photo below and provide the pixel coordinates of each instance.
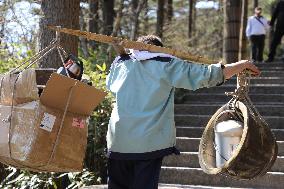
(249, 66)
(236, 68)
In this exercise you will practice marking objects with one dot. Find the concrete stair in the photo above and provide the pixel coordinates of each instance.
(169, 186)
(267, 94)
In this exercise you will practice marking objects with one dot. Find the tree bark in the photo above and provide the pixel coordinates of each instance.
(190, 19)
(118, 18)
(232, 14)
(146, 18)
(93, 19)
(170, 10)
(160, 18)
(243, 40)
(194, 17)
(108, 16)
(137, 6)
(83, 41)
(63, 13)
(255, 3)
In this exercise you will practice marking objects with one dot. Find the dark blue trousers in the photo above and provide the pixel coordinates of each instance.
(134, 174)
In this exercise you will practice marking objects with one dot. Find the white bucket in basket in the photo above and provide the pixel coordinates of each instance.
(228, 135)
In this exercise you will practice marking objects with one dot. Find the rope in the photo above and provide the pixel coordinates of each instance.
(61, 125)
(1, 87)
(34, 59)
(62, 60)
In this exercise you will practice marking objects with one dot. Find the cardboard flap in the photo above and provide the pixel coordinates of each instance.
(84, 98)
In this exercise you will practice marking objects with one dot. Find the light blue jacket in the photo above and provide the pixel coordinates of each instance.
(142, 119)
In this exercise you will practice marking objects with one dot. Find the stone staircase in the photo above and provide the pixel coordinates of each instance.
(267, 94)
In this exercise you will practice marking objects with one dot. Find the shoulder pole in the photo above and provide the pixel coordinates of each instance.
(133, 45)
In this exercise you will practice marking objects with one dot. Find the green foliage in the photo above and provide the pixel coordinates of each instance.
(10, 60)
(95, 160)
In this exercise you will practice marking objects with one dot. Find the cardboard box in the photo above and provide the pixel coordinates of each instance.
(18, 88)
(20, 120)
(38, 142)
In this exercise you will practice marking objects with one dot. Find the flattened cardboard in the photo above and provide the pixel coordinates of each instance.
(25, 88)
(5, 113)
(84, 98)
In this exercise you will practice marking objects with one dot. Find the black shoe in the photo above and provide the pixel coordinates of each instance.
(269, 60)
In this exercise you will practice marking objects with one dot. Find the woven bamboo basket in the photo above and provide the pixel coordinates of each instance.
(256, 152)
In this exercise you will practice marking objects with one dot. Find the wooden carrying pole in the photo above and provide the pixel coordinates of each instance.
(133, 45)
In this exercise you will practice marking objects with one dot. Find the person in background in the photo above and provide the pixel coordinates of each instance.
(278, 15)
(141, 129)
(257, 27)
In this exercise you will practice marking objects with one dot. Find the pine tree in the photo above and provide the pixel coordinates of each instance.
(232, 15)
(243, 40)
(93, 19)
(108, 16)
(160, 18)
(63, 13)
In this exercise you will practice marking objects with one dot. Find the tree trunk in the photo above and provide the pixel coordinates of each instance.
(194, 17)
(146, 18)
(232, 14)
(137, 7)
(160, 18)
(118, 18)
(190, 19)
(93, 19)
(108, 16)
(170, 11)
(63, 13)
(255, 3)
(83, 41)
(243, 40)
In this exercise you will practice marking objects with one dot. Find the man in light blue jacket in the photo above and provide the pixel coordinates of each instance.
(141, 129)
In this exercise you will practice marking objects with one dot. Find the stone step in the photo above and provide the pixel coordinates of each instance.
(221, 98)
(195, 176)
(275, 122)
(271, 73)
(261, 80)
(196, 132)
(181, 186)
(254, 89)
(190, 159)
(210, 109)
(185, 144)
(272, 68)
(170, 186)
(270, 65)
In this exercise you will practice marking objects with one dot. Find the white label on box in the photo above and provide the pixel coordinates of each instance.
(47, 122)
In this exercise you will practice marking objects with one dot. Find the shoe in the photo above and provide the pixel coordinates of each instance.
(269, 60)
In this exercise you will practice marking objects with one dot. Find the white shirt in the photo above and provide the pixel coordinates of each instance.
(255, 27)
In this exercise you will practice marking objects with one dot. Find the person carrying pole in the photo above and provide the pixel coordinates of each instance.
(141, 129)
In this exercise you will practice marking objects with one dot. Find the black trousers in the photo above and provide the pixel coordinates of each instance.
(257, 47)
(134, 174)
(277, 36)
